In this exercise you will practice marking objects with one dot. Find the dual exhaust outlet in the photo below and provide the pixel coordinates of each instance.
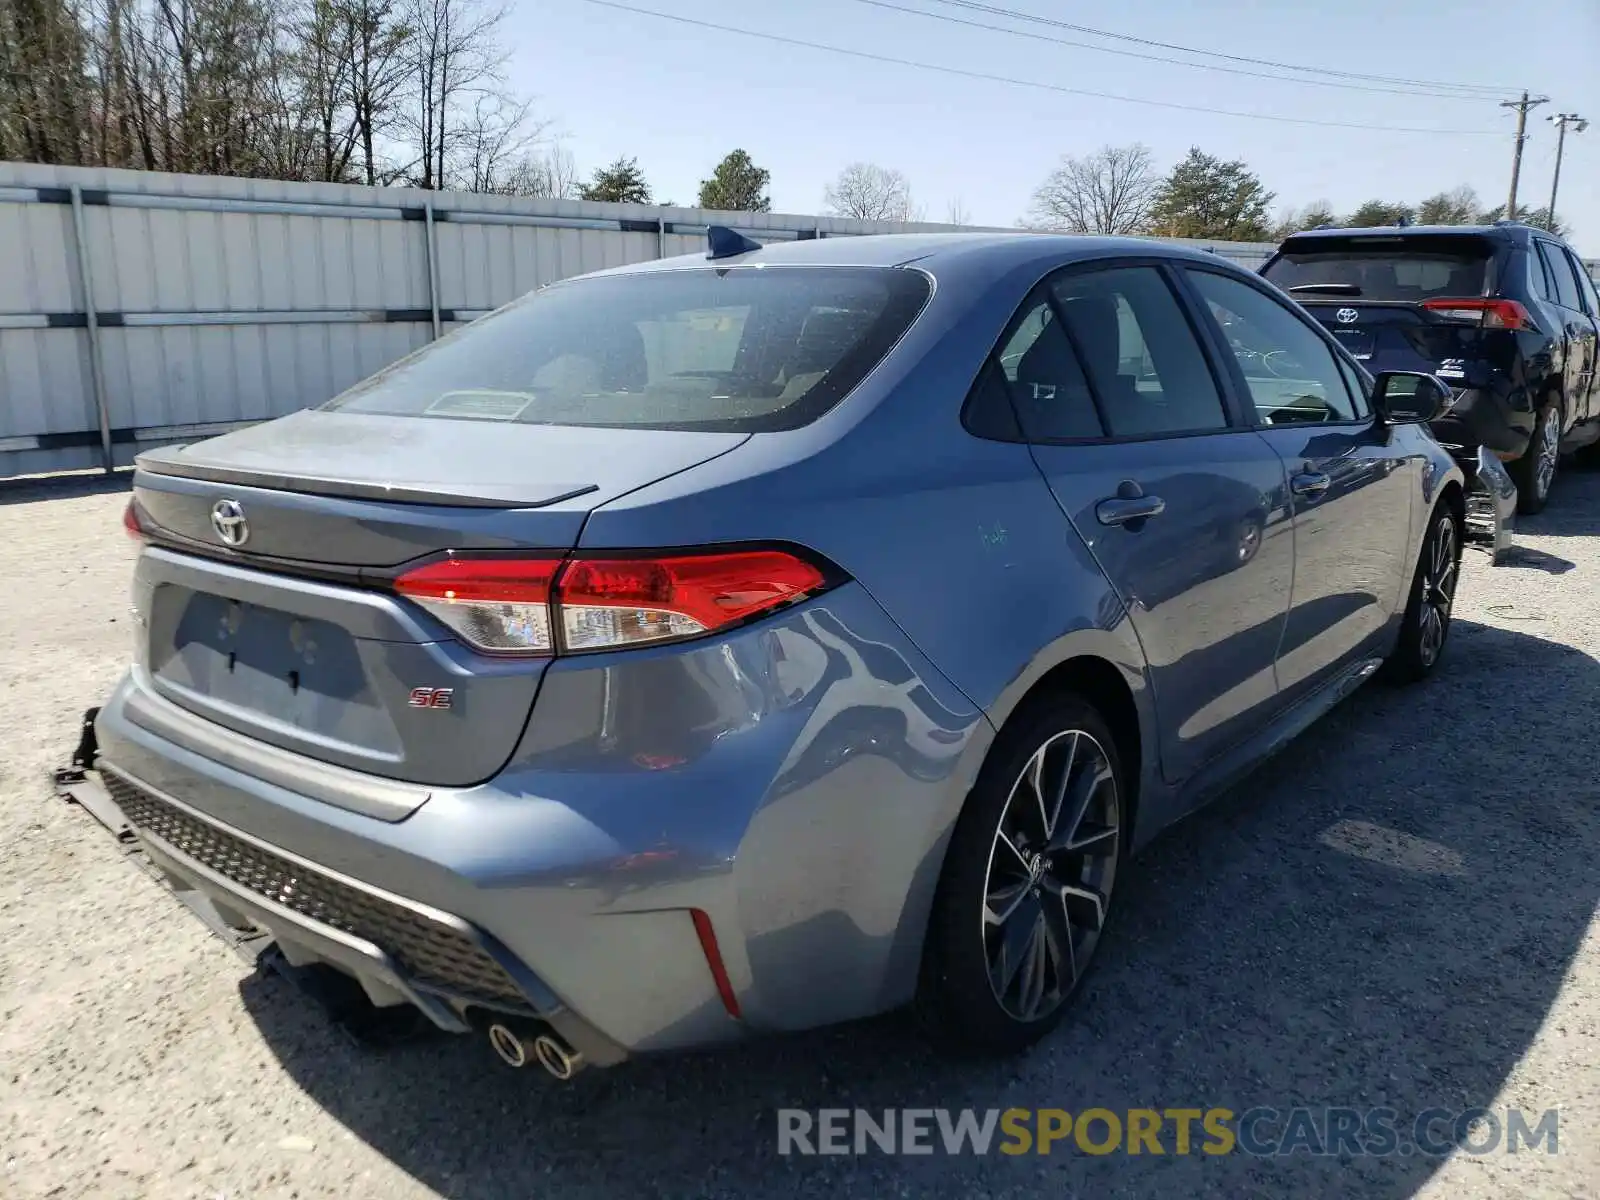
(519, 1047)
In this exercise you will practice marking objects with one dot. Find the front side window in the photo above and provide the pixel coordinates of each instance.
(1139, 352)
(1292, 374)
(738, 349)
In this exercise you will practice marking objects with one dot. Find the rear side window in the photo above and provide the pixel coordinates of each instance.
(738, 349)
(1139, 352)
(1384, 268)
(1048, 388)
(1585, 285)
(1560, 268)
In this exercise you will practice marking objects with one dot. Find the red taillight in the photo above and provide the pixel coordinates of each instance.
(1491, 314)
(499, 605)
(606, 603)
(130, 522)
(521, 606)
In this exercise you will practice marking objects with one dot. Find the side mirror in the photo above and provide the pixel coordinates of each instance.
(1410, 397)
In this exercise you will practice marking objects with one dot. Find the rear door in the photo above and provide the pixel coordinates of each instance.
(1578, 328)
(1184, 510)
(1352, 494)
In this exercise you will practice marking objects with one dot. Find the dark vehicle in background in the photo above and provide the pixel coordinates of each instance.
(1505, 314)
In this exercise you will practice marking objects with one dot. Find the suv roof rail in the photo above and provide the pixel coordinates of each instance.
(1327, 225)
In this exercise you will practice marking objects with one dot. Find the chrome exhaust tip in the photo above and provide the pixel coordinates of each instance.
(514, 1050)
(555, 1056)
(518, 1049)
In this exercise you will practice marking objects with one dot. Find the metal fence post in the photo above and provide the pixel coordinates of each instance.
(97, 374)
(433, 268)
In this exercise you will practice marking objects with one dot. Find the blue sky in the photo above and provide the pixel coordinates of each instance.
(680, 97)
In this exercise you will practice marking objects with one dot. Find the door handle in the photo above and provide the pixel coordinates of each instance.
(1310, 483)
(1128, 506)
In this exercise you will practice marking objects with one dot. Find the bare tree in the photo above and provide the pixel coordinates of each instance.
(554, 175)
(957, 213)
(456, 63)
(378, 91)
(496, 145)
(381, 45)
(869, 192)
(1109, 192)
(42, 77)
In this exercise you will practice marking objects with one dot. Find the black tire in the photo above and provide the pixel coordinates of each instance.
(1425, 629)
(967, 1000)
(1544, 451)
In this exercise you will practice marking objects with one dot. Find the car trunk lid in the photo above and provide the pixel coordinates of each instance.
(294, 636)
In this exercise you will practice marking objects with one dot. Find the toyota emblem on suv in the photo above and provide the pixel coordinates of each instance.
(227, 518)
(1347, 315)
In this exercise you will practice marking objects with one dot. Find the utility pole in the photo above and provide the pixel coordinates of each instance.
(1522, 106)
(1562, 120)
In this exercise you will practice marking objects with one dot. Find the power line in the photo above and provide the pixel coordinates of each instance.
(1161, 58)
(1030, 83)
(996, 11)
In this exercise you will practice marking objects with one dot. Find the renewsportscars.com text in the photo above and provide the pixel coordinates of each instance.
(1262, 1131)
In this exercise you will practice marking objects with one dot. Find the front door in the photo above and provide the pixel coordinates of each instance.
(1351, 494)
(1185, 513)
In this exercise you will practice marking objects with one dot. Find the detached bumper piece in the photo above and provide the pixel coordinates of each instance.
(1491, 506)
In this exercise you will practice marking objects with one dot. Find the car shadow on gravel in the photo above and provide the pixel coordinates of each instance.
(1380, 917)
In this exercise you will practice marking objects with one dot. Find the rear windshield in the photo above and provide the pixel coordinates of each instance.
(1376, 268)
(740, 349)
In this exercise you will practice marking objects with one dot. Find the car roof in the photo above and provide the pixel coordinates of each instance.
(933, 251)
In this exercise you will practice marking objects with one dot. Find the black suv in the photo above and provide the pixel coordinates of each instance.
(1504, 313)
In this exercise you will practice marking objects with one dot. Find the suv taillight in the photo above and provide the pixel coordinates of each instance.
(530, 606)
(1491, 314)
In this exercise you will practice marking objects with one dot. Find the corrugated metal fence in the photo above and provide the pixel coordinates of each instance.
(140, 308)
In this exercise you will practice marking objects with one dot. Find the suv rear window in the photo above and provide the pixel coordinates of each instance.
(1383, 268)
(740, 349)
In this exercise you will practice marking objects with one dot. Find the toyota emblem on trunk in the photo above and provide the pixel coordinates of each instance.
(1347, 315)
(227, 518)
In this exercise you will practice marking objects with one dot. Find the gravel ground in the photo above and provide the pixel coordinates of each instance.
(1398, 911)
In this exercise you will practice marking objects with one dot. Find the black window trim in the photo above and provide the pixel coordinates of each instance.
(1235, 420)
(1549, 249)
(1242, 385)
(1581, 274)
(1541, 275)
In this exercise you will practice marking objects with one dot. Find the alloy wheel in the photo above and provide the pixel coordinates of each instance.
(1438, 590)
(1549, 452)
(1051, 869)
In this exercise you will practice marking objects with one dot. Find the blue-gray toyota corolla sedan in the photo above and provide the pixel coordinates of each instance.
(771, 637)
